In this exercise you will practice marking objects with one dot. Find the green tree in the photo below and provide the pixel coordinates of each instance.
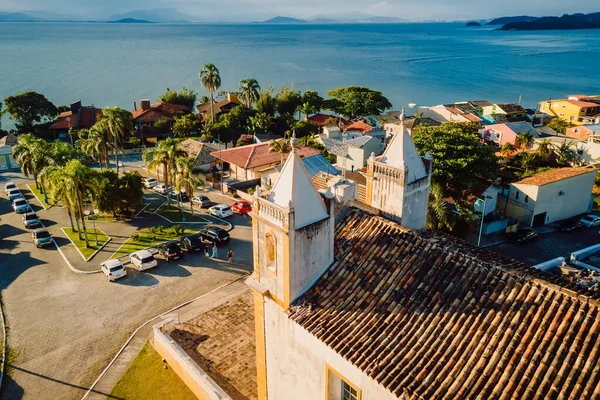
(461, 162)
(507, 149)
(108, 196)
(165, 154)
(163, 125)
(244, 140)
(184, 97)
(313, 99)
(305, 108)
(281, 146)
(211, 80)
(288, 100)
(249, 91)
(119, 124)
(131, 191)
(525, 140)
(439, 216)
(32, 155)
(186, 179)
(545, 149)
(356, 101)
(61, 153)
(96, 143)
(304, 128)
(29, 108)
(566, 155)
(185, 125)
(528, 161)
(261, 123)
(560, 125)
(266, 103)
(59, 190)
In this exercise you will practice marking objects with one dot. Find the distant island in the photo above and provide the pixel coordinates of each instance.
(574, 21)
(508, 20)
(130, 21)
(283, 20)
(472, 24)
(358, 20)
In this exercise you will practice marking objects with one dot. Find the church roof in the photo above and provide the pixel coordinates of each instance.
(431, 316)
(294, 188)
(401, 152)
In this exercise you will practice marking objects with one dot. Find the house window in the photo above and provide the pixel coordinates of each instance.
(339, 387)
(348, 392)
(561, 193)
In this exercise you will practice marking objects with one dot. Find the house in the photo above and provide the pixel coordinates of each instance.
(249, 162)
(576, 109)
(584, 132)
(483, 107)
(357, 126)
(550, 196)
(221, 107)
(357, 151)
(148, 114)
(362, 307)
(201, 152)
(314, 165)
(512, 112)
(6, 147)
(450, 113)
(322, 119)
(500, 134)
(78, 117)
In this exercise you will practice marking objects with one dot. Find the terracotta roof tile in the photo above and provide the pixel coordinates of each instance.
(199, 151)
(320, 119)
(583, 104)
(555, 175)
(257, 155)
(160, 110)
(437, 318)
(359, 126)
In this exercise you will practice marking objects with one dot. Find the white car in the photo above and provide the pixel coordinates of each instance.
(14, 194)
(20, 205)
(149, 183)
(160, 188)
(221, 211)
(113, 269)
(143, 260)
(9, 186)
(590, 220)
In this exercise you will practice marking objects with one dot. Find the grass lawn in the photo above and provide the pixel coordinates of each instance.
(87, 251)
(173, 214)
(39, 195)
(147, 239)
(147, 378)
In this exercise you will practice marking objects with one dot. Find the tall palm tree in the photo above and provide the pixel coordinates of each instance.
(307, 140)
(185, 177)
(32, 155)
(565, 153)
(507, 149)
(282, 147)
(544, 149)
(59, 189)
(211, 80)
(305, 108)
(261, 123)
(439, 217)
(525, 140)
(165, 154)
(249, 91)
(119, 124)
(91, 143)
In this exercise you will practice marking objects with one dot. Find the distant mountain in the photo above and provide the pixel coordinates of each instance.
(508, 20)
(472, 24)
(161, 15)
(566, 22)
(324, 20)
(130, 21)
(17, 17)
(283, 20)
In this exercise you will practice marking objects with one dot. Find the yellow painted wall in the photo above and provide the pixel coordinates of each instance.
(563, 109)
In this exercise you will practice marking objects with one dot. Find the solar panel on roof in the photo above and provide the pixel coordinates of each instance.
(317, 163)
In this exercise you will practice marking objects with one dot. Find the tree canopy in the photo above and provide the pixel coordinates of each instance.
(29, 108)
(288, 101)
(184, 97)
(356, 101)
(185, 125)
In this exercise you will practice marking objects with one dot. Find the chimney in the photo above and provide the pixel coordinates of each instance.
(228, 96)
(75, 107)
(134, 106)
(145, 103)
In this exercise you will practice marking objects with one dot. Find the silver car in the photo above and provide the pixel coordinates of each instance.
(9, 186)
(20, 205)
(41, 237)
(30, 220)
(14, 194)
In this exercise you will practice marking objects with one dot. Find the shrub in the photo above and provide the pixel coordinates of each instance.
(135, 236)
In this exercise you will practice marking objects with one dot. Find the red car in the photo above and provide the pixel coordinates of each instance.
(242, 207)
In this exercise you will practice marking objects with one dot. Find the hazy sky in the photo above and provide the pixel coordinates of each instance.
(251, 9)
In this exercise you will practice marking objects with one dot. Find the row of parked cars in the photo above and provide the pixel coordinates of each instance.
(20, 205)
(143, 260)
(526, 235)
(218, 210)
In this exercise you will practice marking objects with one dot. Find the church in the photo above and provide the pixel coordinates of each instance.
(357, 301)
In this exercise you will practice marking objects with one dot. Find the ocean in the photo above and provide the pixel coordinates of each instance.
(425, 63)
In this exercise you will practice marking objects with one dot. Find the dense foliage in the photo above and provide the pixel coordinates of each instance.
(184, 97)
(28, 109)
(355, 101)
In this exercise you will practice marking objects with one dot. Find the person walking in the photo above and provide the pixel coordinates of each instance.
(206, 253)
(215, 253)
(230, 256)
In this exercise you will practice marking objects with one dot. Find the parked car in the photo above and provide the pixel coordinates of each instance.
(9, 186)
(160, 188)
(202, 201)
(14, 194)
(221, 211)
(183, 197)
(571, 225)
(214, 235)
(191, 242)
(242, 207)
(113, 269)
(143, 260)
(20, 205)
(590, 220)
(170, 251)
(523, 235)
(30, 220)
(41, 237)
(149, 183)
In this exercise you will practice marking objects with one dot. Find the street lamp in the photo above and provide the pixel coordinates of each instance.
(482, 217)
(93, 213)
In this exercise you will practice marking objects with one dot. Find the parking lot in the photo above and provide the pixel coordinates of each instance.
(64, 327)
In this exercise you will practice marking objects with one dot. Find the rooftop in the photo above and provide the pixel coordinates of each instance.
(320, 119)
(481, 103)
(257, 155)
(359, 126)
(430, 316)
(85, 118)
(512, 108)
(583, 104)
(199, 151)
(165, 109)
(220, 106)
(555, 175)
(9, 140)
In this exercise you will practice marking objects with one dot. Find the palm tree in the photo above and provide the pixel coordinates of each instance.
(249, 91)
(91, 143)
(165, 154)
(32, 155)
(185, 178)
(119, 124)
(305, 109)
(211, 80)
(438, 216)
(281, 146)
(307, 140)
(507, 149)
(59, 189)
(544, 149)
(261, 123)
(525, 140)
(565, 153)
(528, 161)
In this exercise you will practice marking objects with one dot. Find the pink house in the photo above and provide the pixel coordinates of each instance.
(500, 134)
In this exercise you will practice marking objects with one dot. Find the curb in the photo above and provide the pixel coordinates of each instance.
(37, 198)
(4, 344)
(174, 222)
(77, 248)
(110, 364)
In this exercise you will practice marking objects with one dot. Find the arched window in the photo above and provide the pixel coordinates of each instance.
(270, 249)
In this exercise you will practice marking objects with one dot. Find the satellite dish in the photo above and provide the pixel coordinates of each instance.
(412, 105)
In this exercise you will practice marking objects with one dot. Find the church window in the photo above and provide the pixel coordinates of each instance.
(270, 249)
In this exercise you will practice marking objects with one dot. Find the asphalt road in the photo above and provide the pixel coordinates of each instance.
(65, 327)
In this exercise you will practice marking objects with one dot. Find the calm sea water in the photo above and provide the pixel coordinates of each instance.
(109, 64)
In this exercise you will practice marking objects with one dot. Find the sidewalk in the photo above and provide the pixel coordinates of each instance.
(121, 362)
